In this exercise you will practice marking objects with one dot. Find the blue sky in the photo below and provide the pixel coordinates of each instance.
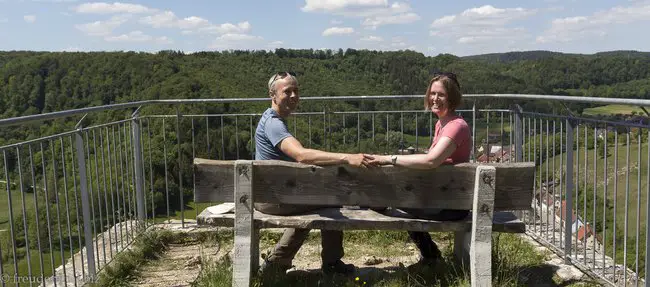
(431, 27)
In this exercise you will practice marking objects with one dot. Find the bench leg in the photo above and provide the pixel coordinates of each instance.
(246, 249)
(480, 250)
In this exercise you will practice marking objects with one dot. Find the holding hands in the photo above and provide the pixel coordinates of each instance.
(368, 160)
(377, 160)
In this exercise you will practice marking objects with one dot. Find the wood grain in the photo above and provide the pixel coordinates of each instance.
(295, 183)
(362, 219)
(480, 251)
(246, 247)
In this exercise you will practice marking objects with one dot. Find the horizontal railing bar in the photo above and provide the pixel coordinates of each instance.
(223, 115)
(45, 138)
(613, 123)
(60, 135)
(68, 113)
(317, 113)
(105, 125)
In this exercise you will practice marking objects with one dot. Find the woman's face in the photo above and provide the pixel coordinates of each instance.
(438, 99)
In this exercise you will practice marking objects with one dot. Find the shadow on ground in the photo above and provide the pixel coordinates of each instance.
(445, 274)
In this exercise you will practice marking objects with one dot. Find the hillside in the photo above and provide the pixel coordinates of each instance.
(41, 82)
(510, 57)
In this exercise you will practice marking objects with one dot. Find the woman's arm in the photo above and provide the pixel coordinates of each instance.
(434, 158)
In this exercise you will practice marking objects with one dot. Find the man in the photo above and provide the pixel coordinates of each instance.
(274, 142)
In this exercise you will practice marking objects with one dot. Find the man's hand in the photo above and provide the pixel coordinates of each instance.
(356, 160)
(376, 160)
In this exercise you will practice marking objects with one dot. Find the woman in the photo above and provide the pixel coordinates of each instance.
(452, 144)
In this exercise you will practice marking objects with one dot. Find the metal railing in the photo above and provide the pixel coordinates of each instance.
(95, 188)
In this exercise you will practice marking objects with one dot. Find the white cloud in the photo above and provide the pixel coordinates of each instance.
(482, 24)
(338, 31)
(194, 24)
(116, 7)
(598, 24)
(391, 19)
(484, 16)
(138, 36)
(225, 28)
(375, 13)
(275, 44)
(29, 18)
(333, 5)
(235, 41)
(54, 1)
(72, 49)
(371, 39)
(102, 28)
(386, 44)
(168, 19)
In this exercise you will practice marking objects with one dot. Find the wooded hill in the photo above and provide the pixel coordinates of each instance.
(41, 82)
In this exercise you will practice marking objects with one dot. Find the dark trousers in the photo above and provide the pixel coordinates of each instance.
(428, 248)
(293, 238)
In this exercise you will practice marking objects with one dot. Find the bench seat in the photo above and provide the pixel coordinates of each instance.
(362, 219)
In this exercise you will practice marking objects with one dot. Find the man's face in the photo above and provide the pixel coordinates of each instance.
(286, 95)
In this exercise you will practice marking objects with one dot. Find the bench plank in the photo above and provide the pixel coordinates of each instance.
(481, 239)
(362, 219)
(246, 248)
(295, 183)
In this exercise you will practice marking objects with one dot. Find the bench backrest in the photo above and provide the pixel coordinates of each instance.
(294, 183)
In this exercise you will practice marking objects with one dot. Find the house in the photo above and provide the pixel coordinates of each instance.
(496, 154)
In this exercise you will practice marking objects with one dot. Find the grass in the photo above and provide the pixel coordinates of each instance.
(124, 267)
(612, 110)
(515, 263)
(16, 202)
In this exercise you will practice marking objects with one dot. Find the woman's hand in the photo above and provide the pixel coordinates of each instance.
(376, 160)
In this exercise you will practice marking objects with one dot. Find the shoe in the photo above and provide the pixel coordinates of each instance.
(424, 264)
(338, 267)
(270, 268)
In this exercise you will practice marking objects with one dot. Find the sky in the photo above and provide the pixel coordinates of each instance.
(461, 27)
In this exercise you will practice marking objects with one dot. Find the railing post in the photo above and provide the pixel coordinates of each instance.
(85, 204)
(180, 164)
(519, 133)
(473, 154)
(568, 211)
(137, 162)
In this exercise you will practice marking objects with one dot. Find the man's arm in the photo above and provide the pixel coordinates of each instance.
(434, 158)
(294, 149)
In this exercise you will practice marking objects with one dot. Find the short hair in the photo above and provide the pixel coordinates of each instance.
(279, 76)
(452, 88)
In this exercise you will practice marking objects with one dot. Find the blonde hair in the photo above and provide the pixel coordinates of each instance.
(279, 76)
(452, 88)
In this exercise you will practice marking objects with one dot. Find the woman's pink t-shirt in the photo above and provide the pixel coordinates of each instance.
(458, 131)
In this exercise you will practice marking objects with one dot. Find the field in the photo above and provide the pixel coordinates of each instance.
(613, 110)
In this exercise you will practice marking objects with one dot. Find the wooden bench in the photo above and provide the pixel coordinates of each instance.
(490, 191)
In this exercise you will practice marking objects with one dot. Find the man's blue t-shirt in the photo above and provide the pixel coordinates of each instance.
(271, 130)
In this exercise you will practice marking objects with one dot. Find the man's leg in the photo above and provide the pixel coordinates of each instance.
(332, 252)
(292, 238)
(287, 247)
